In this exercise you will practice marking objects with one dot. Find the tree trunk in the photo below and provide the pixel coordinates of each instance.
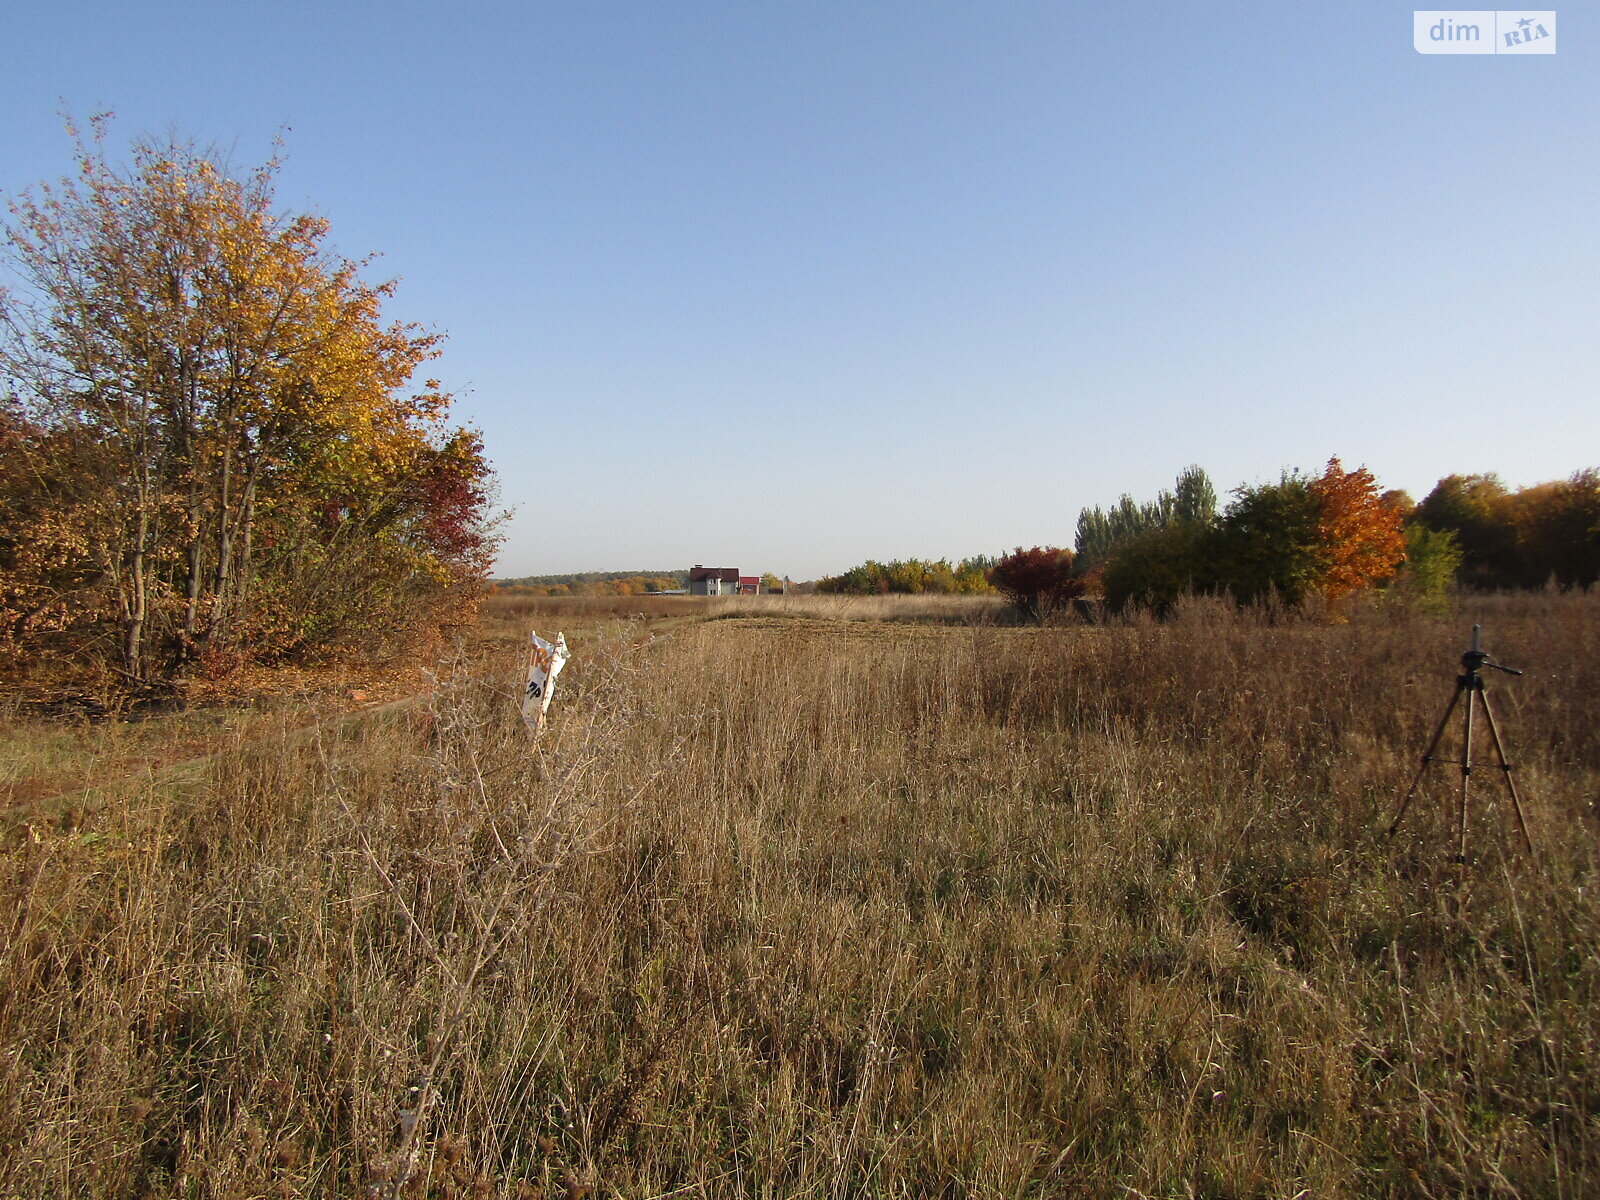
(223, 582)
(187, 420)
(191, 609)
(133, 643)
(247, 520)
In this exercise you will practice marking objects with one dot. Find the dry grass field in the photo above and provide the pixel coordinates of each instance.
(827, 901)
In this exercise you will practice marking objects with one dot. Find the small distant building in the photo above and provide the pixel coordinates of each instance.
(722, 581)
(714, 581)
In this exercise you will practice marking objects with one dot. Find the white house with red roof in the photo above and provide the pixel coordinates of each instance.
(722, 581)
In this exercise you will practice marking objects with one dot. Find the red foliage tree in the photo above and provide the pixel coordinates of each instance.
(1038, 582)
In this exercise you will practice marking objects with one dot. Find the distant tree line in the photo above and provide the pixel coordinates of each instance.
(676, 579)
(594, 583)
(1336, 534)
(913, 576)
(1526, 538)
(613, 583)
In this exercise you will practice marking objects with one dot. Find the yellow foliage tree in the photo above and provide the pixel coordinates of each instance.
(241, 377)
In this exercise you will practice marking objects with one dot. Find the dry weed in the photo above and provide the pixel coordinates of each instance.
(817, 906)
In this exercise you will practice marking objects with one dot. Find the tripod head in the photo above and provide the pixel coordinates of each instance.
(1475, 659)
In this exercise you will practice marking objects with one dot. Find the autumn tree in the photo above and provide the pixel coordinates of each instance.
(1477, 510)
(1557, 530)
(1038, 582)
(1332, 534)
(1400, 501)
(1528, 537)
(1358, 531)
(272, 478)
(49, 517)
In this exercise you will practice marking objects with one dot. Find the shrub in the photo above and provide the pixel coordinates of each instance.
(1038, 582)
(1429, 570)
(1160, 565)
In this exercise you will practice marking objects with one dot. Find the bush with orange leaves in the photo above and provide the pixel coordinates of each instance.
(1358, 534)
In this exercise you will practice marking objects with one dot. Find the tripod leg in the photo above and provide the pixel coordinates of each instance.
(1505, 767)
(1427, 759)
(1466, 775)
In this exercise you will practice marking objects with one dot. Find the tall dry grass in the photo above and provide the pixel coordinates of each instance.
(807, 906)
(930, 609)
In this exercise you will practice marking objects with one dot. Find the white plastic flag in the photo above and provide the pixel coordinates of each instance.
(544, 664)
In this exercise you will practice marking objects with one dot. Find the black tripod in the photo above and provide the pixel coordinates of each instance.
(1472, 661)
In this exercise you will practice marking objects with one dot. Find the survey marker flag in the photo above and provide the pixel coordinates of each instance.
(545, 661)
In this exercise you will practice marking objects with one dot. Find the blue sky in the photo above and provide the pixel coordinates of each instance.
(786, 285)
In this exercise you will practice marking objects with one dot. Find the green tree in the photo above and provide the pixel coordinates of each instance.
(1194, 499)
(1429, 571)
(1268, 542)
(912, 576)
(1159, 566)
(1477, 509)
(1102, 532)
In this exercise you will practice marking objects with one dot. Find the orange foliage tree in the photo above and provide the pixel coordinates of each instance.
(1359, 535)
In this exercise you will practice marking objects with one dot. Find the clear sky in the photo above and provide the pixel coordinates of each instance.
(784, 285)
